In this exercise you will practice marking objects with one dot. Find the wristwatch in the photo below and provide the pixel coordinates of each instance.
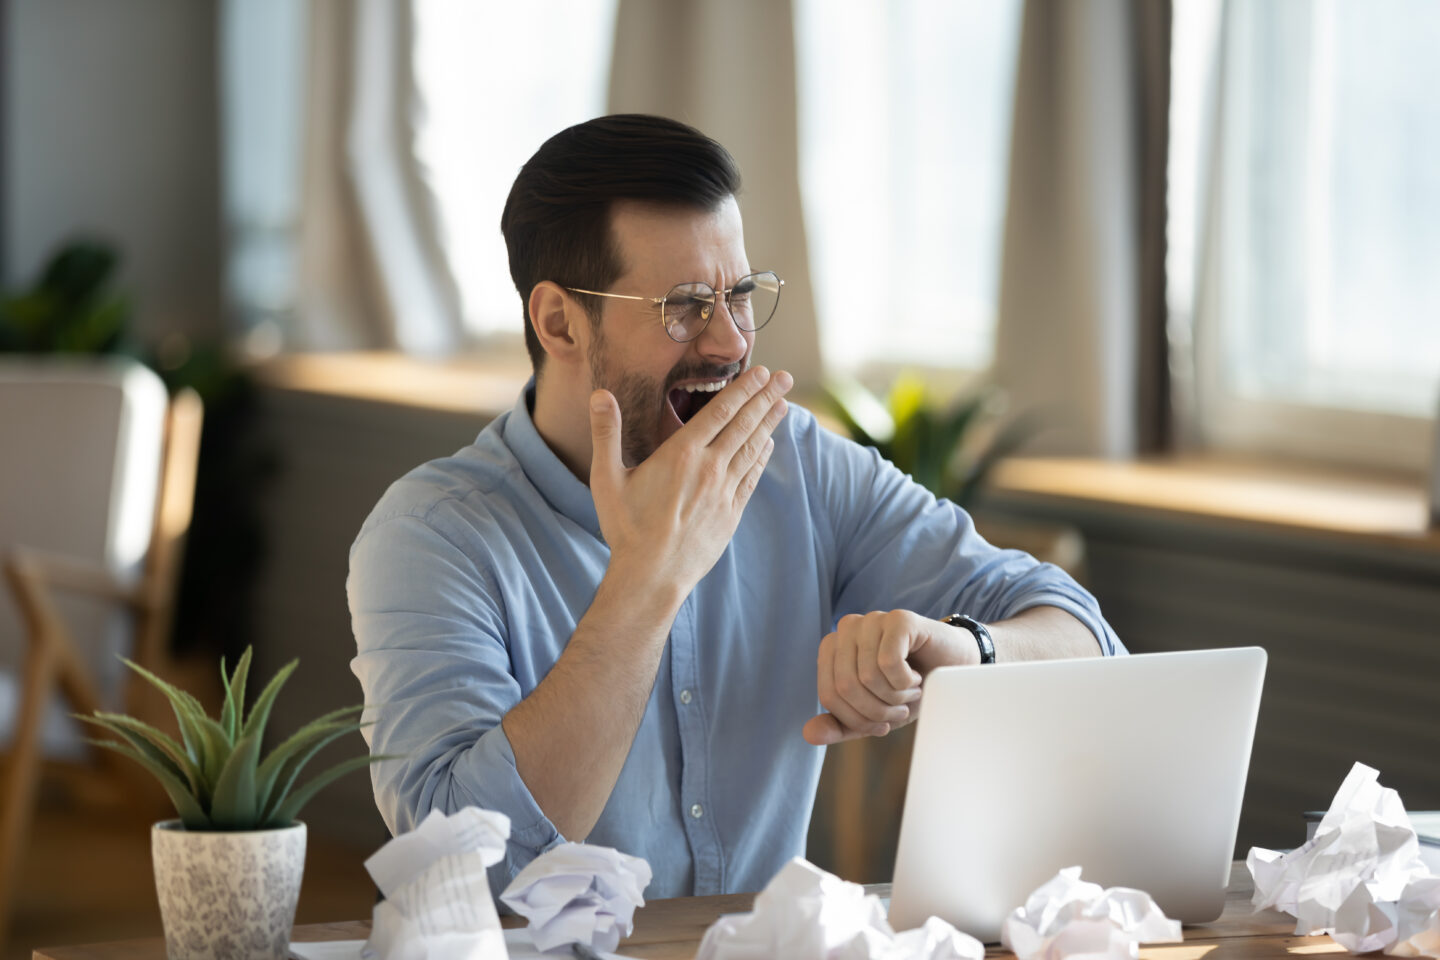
(982, 635)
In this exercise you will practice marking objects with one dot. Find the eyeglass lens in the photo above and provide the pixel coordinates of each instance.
(752, 302)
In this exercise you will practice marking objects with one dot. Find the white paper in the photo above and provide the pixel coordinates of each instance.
(517, 942)
(1360, 878)
(438, 904)
(805, 913)
(576, 892)
(1070, 917)
(406, 856)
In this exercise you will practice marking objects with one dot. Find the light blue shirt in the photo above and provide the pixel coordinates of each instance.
(472, 571)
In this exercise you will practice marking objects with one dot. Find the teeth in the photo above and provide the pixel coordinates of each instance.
(705, 387)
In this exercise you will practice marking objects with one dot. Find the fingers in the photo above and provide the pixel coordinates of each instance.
(606, 465)
(738, 411)
(824, 729)
(760, 440)
(892, 669)
(842, 694)
(882, 645)
(755, 421)
(708, 423)
(751, 479)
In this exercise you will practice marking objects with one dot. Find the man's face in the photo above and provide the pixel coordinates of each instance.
(630, 353)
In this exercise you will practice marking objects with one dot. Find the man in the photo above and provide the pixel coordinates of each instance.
(611, 615)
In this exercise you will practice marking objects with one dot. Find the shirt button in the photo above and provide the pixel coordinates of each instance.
(685, 695)
(697, 811)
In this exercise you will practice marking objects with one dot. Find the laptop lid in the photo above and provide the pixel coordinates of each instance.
(1130, 767)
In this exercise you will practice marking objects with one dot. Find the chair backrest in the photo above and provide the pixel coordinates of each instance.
(81, 445)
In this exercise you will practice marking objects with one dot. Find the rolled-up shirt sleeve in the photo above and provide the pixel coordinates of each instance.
(434, 662)
(898, 547)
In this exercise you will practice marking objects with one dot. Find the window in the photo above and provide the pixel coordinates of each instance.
(492, 91)
(904, 142)
(1317, 304)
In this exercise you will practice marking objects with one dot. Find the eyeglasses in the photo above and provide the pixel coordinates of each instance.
(686, 310)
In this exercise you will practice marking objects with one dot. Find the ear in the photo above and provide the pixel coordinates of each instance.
(560, 323)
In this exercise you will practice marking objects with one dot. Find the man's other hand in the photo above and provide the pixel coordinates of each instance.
(670, 518)
(869, 670)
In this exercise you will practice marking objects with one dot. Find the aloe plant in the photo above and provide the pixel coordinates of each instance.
(216, 777)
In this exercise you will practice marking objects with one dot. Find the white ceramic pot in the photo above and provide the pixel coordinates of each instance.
(227, 896)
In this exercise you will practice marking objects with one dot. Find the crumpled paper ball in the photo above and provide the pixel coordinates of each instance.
(576, 892)
(805, 913)
(1360, 878)
(1070, 917)
(438, 904)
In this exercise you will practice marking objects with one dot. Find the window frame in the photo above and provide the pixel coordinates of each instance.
(1226, 421)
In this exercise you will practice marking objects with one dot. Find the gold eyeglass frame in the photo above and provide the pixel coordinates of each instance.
(661, 301)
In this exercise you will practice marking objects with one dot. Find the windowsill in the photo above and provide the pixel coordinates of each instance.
(468, 384)
(1364, 508)
(1374, 509)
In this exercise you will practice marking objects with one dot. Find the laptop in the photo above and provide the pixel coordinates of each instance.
(1132, 768)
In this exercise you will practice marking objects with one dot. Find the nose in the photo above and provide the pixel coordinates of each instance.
(722, 340)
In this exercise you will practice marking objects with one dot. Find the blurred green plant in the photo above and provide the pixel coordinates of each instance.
(70, 307)
(216, 777)
(949, 451)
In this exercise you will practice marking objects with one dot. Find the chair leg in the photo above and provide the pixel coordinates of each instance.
(853, 773)
(23, 768)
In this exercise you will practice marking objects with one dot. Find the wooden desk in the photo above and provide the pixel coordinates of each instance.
(671, 930)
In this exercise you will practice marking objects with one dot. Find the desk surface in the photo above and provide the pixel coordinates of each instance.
(667, 929)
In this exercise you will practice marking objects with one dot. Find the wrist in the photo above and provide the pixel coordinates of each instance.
(981, 642)
(641, 587)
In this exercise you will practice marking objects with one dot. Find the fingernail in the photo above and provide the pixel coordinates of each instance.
(912, 695)
(762, 374)
(784, 379)
(597, 402)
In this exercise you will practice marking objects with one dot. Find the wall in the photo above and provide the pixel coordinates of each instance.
(110, 128)
(334, 458)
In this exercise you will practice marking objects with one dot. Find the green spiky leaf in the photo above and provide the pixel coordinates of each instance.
(227, 703)
(215, 775)
(191, 813)
(280, 765)
(153, 742)
(235, 698)
(260, 713)
(233, 806)
(286, 812)
(290, 770)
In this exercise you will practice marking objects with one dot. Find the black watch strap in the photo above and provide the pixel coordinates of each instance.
(982, 635)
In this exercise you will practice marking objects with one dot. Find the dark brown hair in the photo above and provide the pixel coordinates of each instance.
(557, 218)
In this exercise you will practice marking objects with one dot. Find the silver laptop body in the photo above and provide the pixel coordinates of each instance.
(1130, 767)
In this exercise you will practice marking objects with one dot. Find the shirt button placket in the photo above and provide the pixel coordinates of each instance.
(699, 827)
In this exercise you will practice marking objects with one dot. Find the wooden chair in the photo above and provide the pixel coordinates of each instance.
(45, 583)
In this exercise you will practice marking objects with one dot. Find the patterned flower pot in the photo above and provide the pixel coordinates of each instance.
(227, 896)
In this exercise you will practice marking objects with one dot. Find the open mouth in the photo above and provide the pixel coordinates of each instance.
(688, 399)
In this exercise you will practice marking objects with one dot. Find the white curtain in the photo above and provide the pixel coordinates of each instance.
(1074, 294)
(728, 68)
(333, 241)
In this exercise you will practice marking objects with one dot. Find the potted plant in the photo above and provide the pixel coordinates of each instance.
(227, 872)
(948, 450)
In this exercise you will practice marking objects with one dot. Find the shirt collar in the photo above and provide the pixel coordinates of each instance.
(560, 488)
